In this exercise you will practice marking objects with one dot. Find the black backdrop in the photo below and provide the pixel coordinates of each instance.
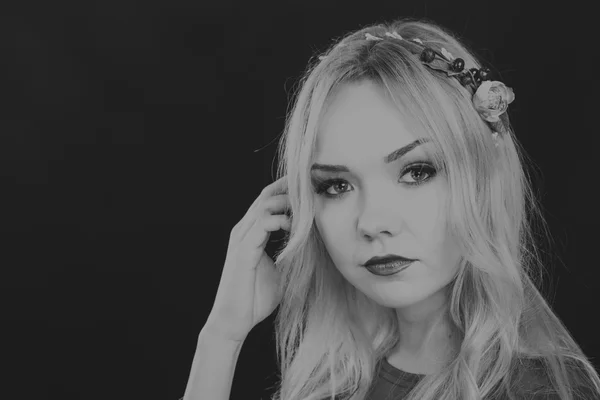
(128, 138)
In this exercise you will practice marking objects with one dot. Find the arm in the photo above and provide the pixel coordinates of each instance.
(212, 368)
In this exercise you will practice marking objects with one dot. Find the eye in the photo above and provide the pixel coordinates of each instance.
(418, 169)
(325, 185)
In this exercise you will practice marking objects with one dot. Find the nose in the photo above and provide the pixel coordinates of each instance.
(379, 212)
(376, 222)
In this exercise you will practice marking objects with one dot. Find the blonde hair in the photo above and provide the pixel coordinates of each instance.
(329, 336)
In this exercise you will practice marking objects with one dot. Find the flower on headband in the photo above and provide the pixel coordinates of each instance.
(394, 35)
(447, 54)
(368, 36)
(492, 99)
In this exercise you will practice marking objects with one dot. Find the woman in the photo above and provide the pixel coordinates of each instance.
(398, 144)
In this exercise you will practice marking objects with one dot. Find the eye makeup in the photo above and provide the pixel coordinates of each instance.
(322, 185)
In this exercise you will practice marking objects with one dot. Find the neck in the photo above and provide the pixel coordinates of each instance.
(427, 336)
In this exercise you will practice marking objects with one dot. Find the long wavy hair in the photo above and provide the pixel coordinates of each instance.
(329, 336)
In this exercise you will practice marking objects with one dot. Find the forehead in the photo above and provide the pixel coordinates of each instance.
(361, 122)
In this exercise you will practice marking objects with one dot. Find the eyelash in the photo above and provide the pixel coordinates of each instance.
(322, 186)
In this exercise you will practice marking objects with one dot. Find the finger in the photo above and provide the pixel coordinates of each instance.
(277, 187)
(266, 194)
(271, 207)
(277, 204)
(272, 189)
(273, 223)
(261, 230)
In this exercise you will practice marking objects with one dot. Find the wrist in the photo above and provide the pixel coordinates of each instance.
(218, 333)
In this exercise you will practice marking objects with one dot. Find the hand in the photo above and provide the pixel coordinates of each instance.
(249, 287)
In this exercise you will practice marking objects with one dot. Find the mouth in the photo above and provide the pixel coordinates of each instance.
(388, 258)
(390, 268)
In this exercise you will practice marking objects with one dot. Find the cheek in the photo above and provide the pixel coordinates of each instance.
(322, 228)
(453, 254)
(330, 223)
(334, 233)
(428, 220)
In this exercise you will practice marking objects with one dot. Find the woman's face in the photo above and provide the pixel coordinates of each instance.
(373, 209)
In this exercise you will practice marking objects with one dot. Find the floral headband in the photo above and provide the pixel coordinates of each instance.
(490, 98)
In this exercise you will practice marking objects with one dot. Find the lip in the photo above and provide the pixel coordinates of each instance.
(389, 269)
(388, 258)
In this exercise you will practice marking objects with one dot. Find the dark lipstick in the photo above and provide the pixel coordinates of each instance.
(388, 258)
(387, 265)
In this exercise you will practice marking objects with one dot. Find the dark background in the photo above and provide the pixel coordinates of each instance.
(127, 153)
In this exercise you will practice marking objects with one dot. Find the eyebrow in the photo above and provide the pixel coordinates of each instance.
(393, 156)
